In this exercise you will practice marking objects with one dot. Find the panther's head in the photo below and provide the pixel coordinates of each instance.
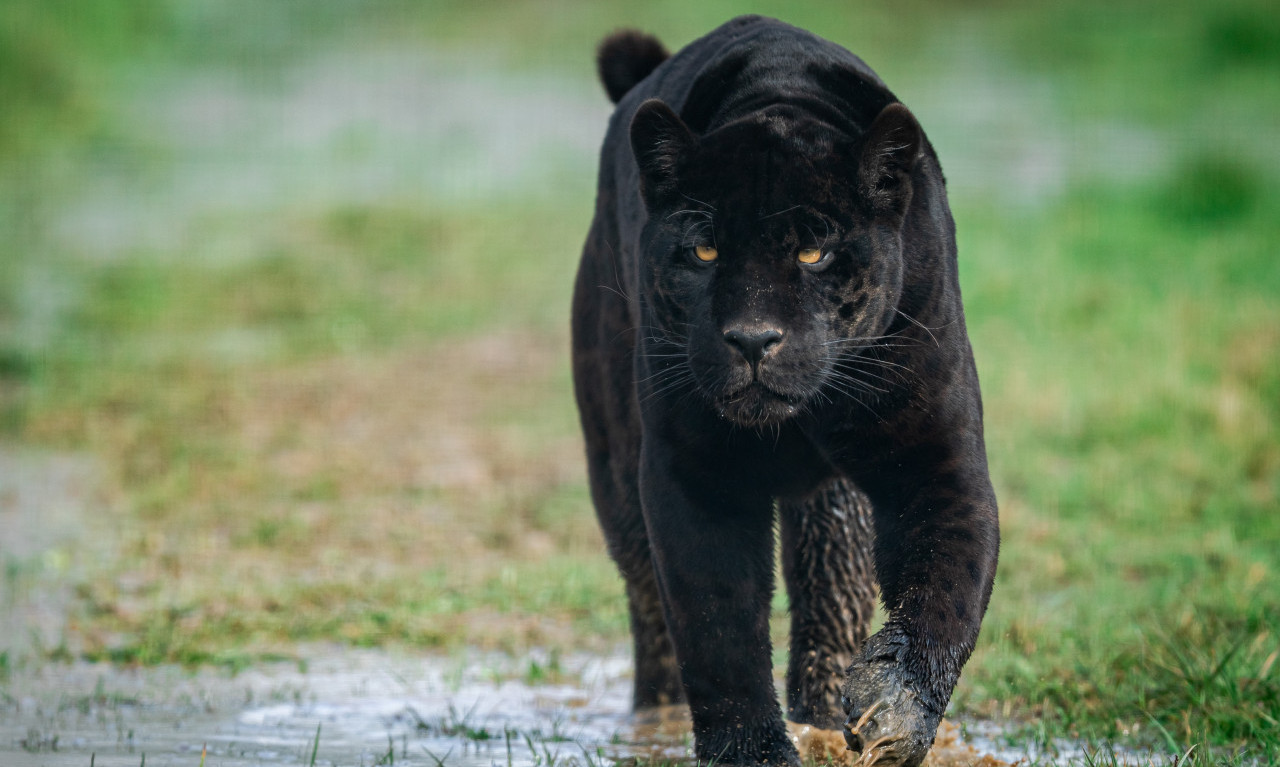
(772, 256)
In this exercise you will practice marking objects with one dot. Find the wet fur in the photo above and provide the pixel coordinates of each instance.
(761, 139)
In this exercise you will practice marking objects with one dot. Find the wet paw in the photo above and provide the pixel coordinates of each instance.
(887, 722)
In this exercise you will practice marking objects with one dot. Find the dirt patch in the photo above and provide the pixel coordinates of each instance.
(445, 441)
(422, 420)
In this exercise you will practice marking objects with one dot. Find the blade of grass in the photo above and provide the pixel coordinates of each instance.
(1168, 738)
(438, 759)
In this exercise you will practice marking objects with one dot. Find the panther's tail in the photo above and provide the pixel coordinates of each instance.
(625, 58)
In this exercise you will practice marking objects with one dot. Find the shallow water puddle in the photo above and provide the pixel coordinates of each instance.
(367, 708)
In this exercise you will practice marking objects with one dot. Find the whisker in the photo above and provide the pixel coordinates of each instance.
(853, 396)
(812, 234)
(779, 213)
(846, 384)
(691, 212)
(615, 291)
(669, 387)
(858, 384)
(670, 370)
(891, 373)
(671, 378)
(922, 326)
(874, 340)
(685, 239)
(872, 361)
(660, 336)
(708, 205)
(862, 352)
(617, 280)
(868, 386)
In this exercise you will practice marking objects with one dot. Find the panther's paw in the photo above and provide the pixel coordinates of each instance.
(759, 744)
(887, 722)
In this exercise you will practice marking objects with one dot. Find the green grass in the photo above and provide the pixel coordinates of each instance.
(263, 420)
(1127, 340)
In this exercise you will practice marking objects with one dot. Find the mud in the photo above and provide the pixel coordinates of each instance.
(827, 747)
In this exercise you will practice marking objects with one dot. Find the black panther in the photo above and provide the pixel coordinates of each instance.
(768, 336)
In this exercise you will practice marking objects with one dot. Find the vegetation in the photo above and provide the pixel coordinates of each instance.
(347, 415)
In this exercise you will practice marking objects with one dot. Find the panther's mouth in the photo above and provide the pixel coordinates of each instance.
(758, 405)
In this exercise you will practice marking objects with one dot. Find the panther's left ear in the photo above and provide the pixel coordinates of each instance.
(660, 142)
(890, 150)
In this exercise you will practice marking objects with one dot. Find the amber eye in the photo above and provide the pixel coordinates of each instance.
(706, 254)
(809, 256)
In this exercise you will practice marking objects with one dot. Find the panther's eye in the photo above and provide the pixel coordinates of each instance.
(809, 256)
(706, 254)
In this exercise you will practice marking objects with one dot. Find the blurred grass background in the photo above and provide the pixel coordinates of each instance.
(291, 280)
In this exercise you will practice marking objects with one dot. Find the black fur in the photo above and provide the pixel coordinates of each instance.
(625, 58)
(725, 383)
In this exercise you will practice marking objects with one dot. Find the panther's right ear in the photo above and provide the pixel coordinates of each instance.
(890, 153)
(660, 142)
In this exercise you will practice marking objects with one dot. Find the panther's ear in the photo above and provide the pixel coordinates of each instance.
(660, 142)
(890, 150)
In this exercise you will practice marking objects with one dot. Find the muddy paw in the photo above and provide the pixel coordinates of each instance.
(887, 723)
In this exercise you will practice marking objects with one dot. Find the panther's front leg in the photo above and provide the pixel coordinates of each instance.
(712, 541)
(936, 545)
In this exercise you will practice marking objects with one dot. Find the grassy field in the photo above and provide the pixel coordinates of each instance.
(324, 380)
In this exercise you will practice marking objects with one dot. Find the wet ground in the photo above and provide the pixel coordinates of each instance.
(44, 501)
(352, 708)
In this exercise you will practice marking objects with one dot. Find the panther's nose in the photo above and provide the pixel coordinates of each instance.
(753, 344)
